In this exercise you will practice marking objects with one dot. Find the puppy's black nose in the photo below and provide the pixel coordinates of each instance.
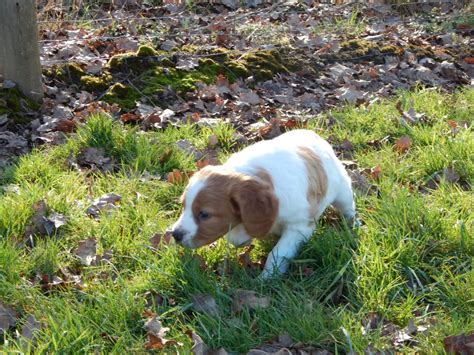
(178, 234)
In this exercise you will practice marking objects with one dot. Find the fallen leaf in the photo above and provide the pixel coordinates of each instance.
(153, 299)
(402, 144)
(161, 239)
(130, 118)
(199, 347)
(469, 60)
(42, 224)
(459, 344)
(104, 203)
(206, 304)
(156, 335)
(86, 251)
(94, 159)
(7, 318)
(29, 330)
(175, 177)
(375, 172)
(249, 299)
(360, 182)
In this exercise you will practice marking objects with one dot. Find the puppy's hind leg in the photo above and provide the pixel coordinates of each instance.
(344, 203)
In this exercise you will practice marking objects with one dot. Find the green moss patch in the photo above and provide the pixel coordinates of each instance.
(96, 83)
(15, 105)
(69, 72)
(363, 50)
(122, 95)
(156, 70)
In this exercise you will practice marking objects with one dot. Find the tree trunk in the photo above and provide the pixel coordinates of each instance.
(19, 49)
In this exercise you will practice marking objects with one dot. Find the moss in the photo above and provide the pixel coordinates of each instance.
(363, 50)
(180, 81)
(391, 49)
(123, 95)
(145, 51)
(420, 52)
(96, 83)
(16, 106)
(142, 59)
(69, 72)
(160, 73)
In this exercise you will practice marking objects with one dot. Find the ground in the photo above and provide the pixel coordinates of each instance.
(79, 274)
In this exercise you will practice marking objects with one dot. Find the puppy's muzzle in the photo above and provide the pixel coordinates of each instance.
(178, 235)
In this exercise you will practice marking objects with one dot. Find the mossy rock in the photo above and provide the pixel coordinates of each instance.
(69, 72)
(122, 95)
(136, 62)
(262, 65)
(16, 106)
(96, 83)
(145, 51)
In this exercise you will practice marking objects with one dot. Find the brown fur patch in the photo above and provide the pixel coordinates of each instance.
(232, 198)
(318, 180)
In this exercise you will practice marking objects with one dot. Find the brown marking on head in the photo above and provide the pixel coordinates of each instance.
(228, 199)
(317, 178)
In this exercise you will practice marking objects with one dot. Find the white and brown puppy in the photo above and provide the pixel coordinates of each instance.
(280, 186)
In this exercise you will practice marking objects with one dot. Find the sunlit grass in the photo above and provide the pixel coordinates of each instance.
(413, 253)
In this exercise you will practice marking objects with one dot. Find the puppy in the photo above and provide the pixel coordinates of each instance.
(280, 186)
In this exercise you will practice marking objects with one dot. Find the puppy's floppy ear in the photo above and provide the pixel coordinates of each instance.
(256, 204)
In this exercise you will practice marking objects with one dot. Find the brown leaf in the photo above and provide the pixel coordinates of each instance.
(402, 144)
(94, 159)
(104, 203)
(161, 239)
(30, 328)
(360, 182)
(469, 60)
(7, 318)
(66, 126)
(86, 251)
(130, 118)
(153, 299)
(375, 172)
(156, 334)
(248, 298)
(206, 304)
(41, 224)
(175, 177)
(459, 344)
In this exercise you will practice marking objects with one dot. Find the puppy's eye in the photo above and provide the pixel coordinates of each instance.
(203, 215)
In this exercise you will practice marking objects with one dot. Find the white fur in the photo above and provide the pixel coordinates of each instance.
(186, 220)
(288, 171)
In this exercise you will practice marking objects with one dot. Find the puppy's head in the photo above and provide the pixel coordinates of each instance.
(216, 200)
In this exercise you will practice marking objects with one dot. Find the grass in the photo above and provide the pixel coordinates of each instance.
(413, 254)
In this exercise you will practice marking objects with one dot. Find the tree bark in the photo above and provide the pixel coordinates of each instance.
(19, 48)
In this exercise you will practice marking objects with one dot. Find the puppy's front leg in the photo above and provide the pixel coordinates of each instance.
(238, 236)
(285, 250)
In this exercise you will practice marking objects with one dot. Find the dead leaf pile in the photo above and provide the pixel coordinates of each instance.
(396, 336)
(283, 344)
